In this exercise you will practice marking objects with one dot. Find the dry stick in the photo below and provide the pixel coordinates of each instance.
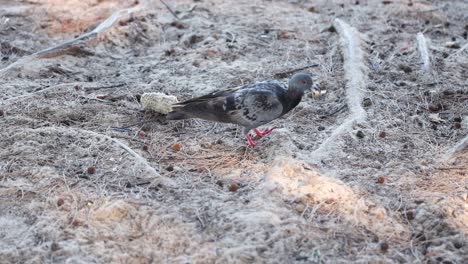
(422, 47)
(73, 84)
(67, 44)
(356, 79)
(462, 48)
(16, 98)
(104, 87)
(459, 51)
(170, 9)
(165, 181)
(459, 147)
(286, 73)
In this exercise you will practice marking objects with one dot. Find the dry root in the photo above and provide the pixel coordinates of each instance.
(423, 51)
(138, 158)
(356, 76)
(67, 45)
(458, 148)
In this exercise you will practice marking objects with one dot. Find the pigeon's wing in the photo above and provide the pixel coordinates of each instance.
(249, 105)
(211, 96)
(255, 107)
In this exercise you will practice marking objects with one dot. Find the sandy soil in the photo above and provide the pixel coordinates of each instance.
(385, 189)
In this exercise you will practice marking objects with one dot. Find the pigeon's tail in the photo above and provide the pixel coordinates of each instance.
(176, 115)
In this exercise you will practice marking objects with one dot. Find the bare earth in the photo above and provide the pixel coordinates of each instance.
(391, 187)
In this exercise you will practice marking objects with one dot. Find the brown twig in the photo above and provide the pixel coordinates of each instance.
(451, 168)
(285, 74)
(105, 87)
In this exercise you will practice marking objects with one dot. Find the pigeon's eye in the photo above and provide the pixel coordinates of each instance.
(303, 81)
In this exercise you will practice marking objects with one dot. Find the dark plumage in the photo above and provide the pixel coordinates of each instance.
(249, 106)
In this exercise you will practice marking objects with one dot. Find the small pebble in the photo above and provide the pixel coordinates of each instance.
(233, 187)
(77, 223)
(178, 24)
(366, 102)
(145, 147)
(54, 246)
(141, 133)
(91, 170)
(176, 147)
(60, 202)
(169, 52)
(381, 180)
(384, 247)
(283, 35)
(457, 125)
(456, 119)
(410, 215)
(170, 168)
(458, 244)
(300, 208)
(312, 9)
(382, 134)
(434, 107)
(2, 113)
(138, 98)
(360, 134)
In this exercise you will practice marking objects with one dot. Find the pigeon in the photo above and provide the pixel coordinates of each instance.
(249, 106)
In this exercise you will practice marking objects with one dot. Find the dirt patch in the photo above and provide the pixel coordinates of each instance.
(79, 182)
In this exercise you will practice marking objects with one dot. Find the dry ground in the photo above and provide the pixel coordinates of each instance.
(384, 191)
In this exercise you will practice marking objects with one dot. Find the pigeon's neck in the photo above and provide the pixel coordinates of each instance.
(293, 98)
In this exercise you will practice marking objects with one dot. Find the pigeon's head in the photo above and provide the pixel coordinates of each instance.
(300, 82)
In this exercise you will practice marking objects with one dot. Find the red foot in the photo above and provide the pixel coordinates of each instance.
(260, 134)
(250, 141)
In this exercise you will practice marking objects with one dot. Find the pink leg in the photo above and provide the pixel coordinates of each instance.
(250, 141)
(260, 134)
